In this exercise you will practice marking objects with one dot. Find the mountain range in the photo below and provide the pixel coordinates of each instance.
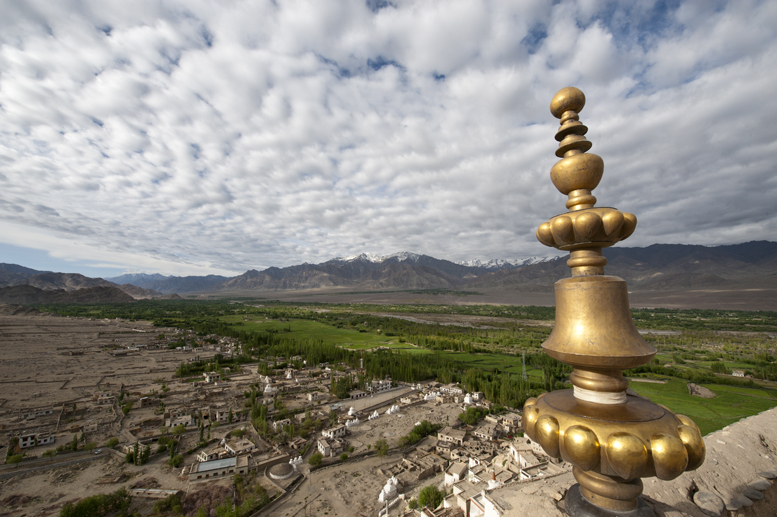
(660, 267)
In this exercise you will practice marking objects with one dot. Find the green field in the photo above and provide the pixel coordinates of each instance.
(489, 362)
(309, 329)
(730, 404)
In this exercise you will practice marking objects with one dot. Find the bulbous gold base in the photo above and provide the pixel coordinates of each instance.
(612, 446)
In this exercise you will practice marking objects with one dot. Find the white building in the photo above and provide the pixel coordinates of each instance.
(378, 386)
(335, 432)
(455, 473)
(330, 447)
(210, 454)
(31, 440)
(211, 376)
(236, 447)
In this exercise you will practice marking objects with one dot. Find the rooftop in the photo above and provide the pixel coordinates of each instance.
(206, 466)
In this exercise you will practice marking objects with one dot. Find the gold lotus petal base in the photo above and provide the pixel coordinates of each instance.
(613, 446)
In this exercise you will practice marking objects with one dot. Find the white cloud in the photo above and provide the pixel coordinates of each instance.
(222, 137)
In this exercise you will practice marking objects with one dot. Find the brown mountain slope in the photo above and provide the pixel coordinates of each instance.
(65, 281)
(27, 294)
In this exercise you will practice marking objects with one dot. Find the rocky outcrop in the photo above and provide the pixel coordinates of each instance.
(700, 391)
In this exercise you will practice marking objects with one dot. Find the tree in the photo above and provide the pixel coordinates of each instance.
(179, 430)
(97, 505)
(175, 461)
(12, 446)
(14, 459)
(343, 457)
(90, 446)
(74, 443)
(412, 504)
(113, 442)
(136, 453)
(430, 497)
(381, 447)
(229, 417)
(315, 459)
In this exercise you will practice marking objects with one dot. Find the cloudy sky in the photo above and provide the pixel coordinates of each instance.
(197, 137)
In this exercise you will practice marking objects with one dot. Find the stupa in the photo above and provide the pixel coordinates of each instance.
(611, 436)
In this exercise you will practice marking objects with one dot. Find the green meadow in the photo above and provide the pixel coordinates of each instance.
(730, 404)
(310, 329)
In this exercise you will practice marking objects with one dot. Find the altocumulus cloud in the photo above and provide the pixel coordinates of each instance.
(192, 137)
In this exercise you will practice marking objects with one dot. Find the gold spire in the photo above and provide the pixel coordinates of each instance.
(611, 437)
(584, 230)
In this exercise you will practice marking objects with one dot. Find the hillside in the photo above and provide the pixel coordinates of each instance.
(14, 275)
(27, 294)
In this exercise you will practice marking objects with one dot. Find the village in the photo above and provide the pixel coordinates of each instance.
(118, 398)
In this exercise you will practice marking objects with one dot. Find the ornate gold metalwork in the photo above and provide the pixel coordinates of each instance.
(613, 438)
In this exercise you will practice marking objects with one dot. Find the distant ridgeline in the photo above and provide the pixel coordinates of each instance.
(655, 268)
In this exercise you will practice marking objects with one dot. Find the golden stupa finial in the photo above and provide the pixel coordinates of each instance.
(584, 230)
(612, 437)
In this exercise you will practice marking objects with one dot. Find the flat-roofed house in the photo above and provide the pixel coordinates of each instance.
(213, 469)
(239, 446)
(455, 473)
(323, 447)
(486, 432)
(210, 454)
(334, 432)
(452, 435)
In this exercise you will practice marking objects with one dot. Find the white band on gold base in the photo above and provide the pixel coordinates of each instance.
(600, 397)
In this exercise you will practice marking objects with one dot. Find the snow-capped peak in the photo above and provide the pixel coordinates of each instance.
(369, 257)
(404, 255)
(505, 263)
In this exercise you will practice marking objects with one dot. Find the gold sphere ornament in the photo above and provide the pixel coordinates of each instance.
(613, 438)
